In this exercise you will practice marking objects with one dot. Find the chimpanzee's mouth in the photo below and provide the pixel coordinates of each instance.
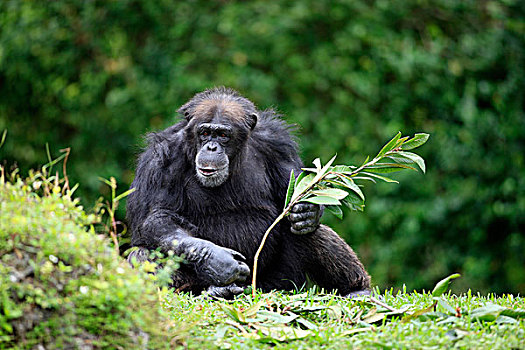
(207, 171)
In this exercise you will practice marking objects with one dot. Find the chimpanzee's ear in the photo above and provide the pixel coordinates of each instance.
(184, 110)
(251, 120)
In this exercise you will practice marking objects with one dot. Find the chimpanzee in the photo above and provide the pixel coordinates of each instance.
(209, 186)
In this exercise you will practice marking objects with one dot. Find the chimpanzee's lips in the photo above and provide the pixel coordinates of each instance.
(207, 171)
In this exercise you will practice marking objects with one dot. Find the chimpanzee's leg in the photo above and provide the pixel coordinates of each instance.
(331, 263)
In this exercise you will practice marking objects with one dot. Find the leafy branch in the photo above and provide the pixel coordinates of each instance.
(333, 186)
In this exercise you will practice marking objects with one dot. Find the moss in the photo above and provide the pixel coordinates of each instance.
(63, 286)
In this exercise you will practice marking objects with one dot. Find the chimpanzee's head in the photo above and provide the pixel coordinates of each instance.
(219, 123)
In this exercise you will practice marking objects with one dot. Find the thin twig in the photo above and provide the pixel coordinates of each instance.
(66, 179)
(113, 227)
(236, 325)
(370, 163)
(380, 303)
(256, 257)
(267, 233)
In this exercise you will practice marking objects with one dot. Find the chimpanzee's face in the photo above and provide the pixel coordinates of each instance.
(212, 161)
(219, 123)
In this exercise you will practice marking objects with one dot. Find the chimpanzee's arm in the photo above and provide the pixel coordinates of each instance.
(155, 223)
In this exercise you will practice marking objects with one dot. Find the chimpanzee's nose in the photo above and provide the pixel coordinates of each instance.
(211, 146)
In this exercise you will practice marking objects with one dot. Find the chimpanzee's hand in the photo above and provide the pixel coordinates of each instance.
(218, 265)
(226, 292)
(305, 218)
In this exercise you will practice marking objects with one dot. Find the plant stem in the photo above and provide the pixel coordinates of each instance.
(370, 163)
(380, 303)
(266, 234)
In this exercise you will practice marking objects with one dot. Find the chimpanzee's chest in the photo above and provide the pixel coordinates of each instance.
(231, 217)
(234, 228)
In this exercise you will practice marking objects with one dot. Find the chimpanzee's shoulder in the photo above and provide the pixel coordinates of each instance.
(273, 136)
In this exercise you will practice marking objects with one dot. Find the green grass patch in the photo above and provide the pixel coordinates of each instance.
(312, 320)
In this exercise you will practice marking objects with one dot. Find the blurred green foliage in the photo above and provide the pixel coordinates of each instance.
(96, 75)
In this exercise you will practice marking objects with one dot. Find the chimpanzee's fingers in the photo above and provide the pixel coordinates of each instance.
(296, 217)
(243, 272)
(304, 224)
(234, 289)
(303, 207)
(236, 254)
(224, 292)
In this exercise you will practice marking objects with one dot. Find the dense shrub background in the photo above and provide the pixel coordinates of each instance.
(96, 75)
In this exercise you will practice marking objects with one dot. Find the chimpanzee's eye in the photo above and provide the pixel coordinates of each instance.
(205, 133)
(223, 134)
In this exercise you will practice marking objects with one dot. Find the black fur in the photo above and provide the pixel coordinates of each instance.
(169, 203)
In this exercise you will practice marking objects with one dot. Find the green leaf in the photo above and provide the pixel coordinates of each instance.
(383, 170)
(364, 178)
(420, 312)
(415, 158)
(317, 163)
(252, 310)
(2, 140)
(353, 198)
(366, 161)
(389, 146)
(487, 313)
(350, 184)
(400, 159)
(416, 141)
(331, 192)
(276, 333)
(388, 168)
(343, 169)
(125, 194)
(233, 313)
(324, 170)
(308, 324)
(493, 312)
(291, 187)
(323, 200)
(356, 330)
(310, 180)
(336, 210)
(384, 178)
(275, 317)
(400, 142)
(356, 207)
(302, 185)
(442, 286)
(354, 202)
(445, 305)
(301, 176)
(376, 317)
(514, 313)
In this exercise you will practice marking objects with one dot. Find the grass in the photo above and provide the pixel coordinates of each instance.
(312, 320)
